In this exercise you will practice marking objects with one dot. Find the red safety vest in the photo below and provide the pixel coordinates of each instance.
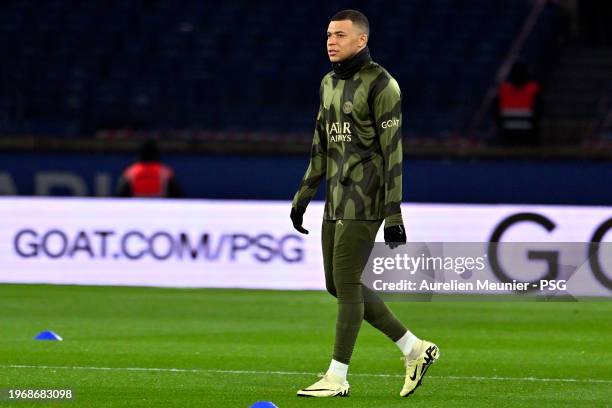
(517, 104)
(148, 179)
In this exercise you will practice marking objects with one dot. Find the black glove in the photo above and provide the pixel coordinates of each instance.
(395, 236)
(297, 218)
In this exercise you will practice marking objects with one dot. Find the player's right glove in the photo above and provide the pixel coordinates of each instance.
(297, 218)
(395, 236)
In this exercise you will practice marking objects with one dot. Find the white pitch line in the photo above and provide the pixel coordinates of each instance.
(213, 371)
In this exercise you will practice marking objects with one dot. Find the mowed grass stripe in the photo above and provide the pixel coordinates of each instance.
(257, 372)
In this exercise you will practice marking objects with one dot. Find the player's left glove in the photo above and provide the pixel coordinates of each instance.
(395, 236)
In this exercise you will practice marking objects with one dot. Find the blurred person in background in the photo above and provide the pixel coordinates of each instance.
(148, 177)
(357, 148)
(518, 108)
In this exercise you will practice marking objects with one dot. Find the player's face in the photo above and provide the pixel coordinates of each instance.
(344, 40)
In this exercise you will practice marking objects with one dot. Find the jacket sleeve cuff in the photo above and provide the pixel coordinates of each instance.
(299, 208)
(394, 219)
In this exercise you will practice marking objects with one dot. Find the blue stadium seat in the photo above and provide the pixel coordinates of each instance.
(256, 66)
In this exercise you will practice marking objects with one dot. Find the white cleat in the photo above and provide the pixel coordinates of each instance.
(328, 386)
(416, 369)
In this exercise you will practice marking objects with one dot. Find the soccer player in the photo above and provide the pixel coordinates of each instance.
(357, 147)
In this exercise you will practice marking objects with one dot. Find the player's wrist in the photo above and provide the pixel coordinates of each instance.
(298, 209)
(393, 220)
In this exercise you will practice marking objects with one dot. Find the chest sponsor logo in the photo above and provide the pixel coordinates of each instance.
(339, 131)
(390, 123)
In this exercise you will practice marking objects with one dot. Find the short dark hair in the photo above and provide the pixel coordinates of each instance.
(357, 17)
(149, 151)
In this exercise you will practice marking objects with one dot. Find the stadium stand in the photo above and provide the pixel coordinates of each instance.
(242, 67)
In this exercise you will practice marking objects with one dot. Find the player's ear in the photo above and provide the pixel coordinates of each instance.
(363, 39)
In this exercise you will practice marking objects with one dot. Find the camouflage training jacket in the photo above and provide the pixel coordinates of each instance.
(357, 147)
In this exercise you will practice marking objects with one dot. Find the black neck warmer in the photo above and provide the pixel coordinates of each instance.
(347, 68)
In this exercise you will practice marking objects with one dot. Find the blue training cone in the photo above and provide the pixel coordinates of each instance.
(263, 404)
(48, 335)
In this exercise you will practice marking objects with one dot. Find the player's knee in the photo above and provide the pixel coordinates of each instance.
(349, 293)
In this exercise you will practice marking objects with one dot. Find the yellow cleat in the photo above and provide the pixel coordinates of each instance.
(416, 369)
(328, 386)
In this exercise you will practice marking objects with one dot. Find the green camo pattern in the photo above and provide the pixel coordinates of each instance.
(357, 147)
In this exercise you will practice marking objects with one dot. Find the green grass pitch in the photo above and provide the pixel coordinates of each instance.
(149, 347)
